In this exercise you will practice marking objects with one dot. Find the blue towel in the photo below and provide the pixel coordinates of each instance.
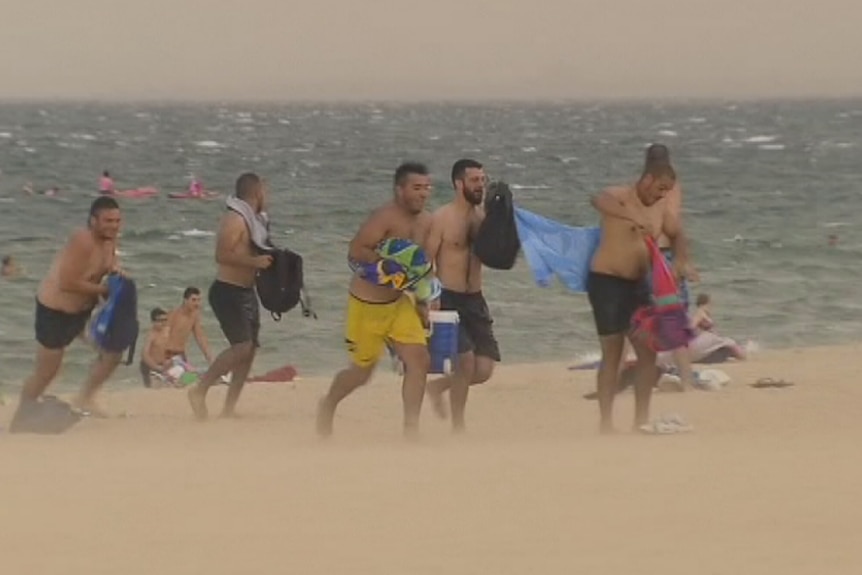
(555, 249)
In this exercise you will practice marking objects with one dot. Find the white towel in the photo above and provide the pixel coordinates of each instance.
(258, 224)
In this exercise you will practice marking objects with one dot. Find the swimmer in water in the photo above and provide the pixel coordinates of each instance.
(10, 268)
(106, 183)
(196, 189)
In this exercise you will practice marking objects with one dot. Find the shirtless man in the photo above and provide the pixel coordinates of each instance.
(64, 301)
(233, 299)
(378, 314)
(155, 356)
(452, 231)
(184, 321)
(616, 284)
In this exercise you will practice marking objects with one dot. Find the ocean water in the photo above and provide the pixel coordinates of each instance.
(765, 183)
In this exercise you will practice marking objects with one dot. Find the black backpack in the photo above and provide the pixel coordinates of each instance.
(281, 286)
(496, 243)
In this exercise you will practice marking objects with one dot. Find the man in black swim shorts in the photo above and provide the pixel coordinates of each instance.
(64, 302)
(233, 299)
(459, 270)
(616, 284)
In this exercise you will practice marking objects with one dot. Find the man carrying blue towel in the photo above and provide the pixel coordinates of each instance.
(64, 302)
(460, 271)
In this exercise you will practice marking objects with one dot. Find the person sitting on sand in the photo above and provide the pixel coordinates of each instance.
(185, 321)
(701, 319)
(10, 268)
(154, 358)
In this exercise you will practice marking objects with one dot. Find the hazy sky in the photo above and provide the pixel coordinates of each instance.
(430, 49)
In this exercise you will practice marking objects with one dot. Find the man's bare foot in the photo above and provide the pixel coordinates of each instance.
(198, 401)
(459, 427)
(435, 395)
(89, 408)
(607, 428)
(325, 416)
(229, 414)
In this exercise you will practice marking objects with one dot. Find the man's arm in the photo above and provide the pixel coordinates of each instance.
(363, 246)
(73, 265)
(434, 240)
(201, 338)
(611, 202)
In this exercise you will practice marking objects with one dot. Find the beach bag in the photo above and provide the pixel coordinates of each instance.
(115, 327)
(496, 243)
(663, 324)
(281, 286)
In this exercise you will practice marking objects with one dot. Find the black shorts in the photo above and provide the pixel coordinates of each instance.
(614, 301)
(57, 329)
(237, 311)
(474, 324)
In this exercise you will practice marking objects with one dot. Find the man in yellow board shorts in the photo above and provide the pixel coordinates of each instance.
(378, 311)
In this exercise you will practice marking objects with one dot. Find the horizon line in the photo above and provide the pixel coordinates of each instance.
(431, 101)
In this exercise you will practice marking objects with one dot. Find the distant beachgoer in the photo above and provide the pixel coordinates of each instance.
(51, 192)
(449, 246)
(378, 312)
(106, 183)
(154, 357)
(28, 188)
(233, 299)
(196, 189)
(701, 319)
(64, 303)
(10, 267)
(617, 285)
(185, 321)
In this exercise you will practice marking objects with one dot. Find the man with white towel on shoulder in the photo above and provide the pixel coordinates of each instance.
(232, 295)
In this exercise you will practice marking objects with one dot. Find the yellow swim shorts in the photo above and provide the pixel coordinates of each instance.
(370, 325)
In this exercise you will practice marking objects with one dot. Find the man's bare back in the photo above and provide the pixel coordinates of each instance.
(395, 222)
(622, 251)
(84, 257)
(458, 268)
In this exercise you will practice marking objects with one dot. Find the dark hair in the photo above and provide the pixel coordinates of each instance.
(459, 168)
(246, 184)
(157, 313)
(103, 203)
(106, 174)
(406, 169)
(659, 169)
(657, 153)
(702, 299)
(190, 291)
(7, 260)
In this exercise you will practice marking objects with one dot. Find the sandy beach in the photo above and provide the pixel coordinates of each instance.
(766, 482)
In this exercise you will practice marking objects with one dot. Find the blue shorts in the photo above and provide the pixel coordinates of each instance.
(681, 284)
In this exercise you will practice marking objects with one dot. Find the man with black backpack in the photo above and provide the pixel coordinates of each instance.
(454, 228)
(232, 295)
